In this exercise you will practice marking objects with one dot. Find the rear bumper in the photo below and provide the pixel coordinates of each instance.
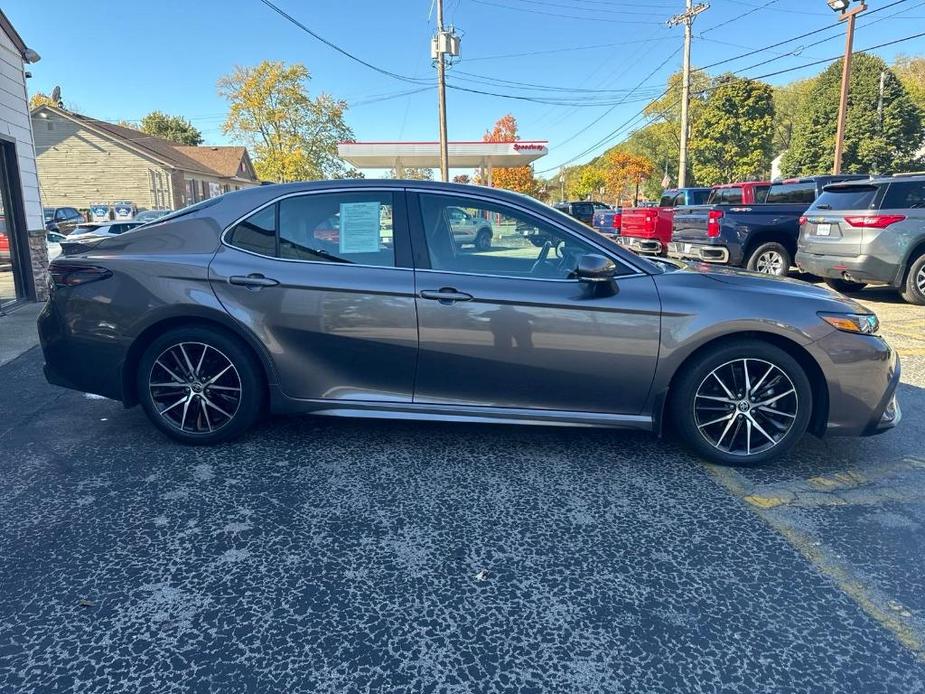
(642, 245)
(867, 269)
(90, 366)
(699, 251)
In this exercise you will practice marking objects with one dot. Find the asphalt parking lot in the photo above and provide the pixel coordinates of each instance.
(326, 555)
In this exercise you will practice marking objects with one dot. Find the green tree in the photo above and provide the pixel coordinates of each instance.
(660, 140)
(175, 128)
(292, 135)
(412, 174)
(790, 100)
(584, 182)
(733, 141)
(911, 72)
(882, 133)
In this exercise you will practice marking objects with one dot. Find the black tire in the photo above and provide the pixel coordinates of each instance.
(913, 291)
(770, 258)
(844, 286)
(483, 240)
(211, 395)
(688, 408)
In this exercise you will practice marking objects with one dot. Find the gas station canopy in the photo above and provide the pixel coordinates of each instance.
(426, 155)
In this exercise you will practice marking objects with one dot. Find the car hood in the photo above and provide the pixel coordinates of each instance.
(769, 285)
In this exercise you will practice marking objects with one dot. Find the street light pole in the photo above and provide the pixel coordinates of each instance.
(687, 19)
(441, 95)
(850, 16)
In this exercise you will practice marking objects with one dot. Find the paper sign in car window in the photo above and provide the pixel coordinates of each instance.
(359, 227)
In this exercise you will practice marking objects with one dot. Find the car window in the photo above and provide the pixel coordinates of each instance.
(904, 196)
(846, 198)
(793, 193)
(584, 209)
(521, 245)
(679, 200)
(329, 227)
(732, 196)
(667, 201)
(697, 197)
(61, 214)
(761, 193)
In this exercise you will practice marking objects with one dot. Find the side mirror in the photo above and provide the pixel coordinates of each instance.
(595, 268)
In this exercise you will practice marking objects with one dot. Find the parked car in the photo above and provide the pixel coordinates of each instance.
(5, 256)
(868, 232)
(150, 216)
(647, 229)
(102, 229)
(608, 222)
(53, 241)
(469, 229)
(582, 210)
(761, 237)
(62, 219)
(565, 328)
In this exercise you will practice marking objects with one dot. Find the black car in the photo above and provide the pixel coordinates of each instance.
(582, 210)
(62, 219)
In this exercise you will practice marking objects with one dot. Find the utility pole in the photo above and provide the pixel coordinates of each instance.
(445, 43)
(687, 19)
(850, 16)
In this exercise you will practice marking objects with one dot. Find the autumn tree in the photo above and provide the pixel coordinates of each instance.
(175, 128)
(519, 179)
(292, 135)
(462, 178)
(623, 173)
(884, 128)
(40, 99)
(733, 142)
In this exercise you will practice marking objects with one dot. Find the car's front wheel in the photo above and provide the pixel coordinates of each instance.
(483, 240)
(746, 402)
(200, 385)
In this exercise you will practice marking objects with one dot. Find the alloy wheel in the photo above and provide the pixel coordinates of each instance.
(920, 280)
(195, 387)
(770, 263)
(745, 406)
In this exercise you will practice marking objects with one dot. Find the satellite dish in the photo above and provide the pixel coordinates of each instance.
(56, 95)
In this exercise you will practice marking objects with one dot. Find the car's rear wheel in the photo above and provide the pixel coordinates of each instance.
(200, 385)
(483, 240)
(844, 286)
(914, 289)
(743, 403)
(770, 258)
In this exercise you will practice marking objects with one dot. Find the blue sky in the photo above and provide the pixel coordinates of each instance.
(120, 60)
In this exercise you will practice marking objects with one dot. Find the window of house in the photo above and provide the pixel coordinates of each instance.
(519, 244)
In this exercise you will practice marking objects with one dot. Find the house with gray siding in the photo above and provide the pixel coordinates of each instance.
(23, 255)
(83, 160)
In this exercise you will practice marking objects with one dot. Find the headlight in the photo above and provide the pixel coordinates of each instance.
(861, 323)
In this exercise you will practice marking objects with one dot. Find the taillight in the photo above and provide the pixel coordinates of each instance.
(650, 222)
(875, 221)
(803, 220)
(66, 275)
(713, 217)
(617, 221)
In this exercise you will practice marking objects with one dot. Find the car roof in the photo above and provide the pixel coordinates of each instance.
(742, 183)
(879, 180)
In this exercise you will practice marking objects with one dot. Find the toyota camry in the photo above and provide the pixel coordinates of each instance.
(356, 298)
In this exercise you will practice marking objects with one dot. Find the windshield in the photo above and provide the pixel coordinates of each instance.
(846, 198)
(49, 213)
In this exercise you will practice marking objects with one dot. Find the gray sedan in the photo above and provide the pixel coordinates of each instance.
(255, 302)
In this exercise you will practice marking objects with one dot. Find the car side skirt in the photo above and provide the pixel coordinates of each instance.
(460, 413)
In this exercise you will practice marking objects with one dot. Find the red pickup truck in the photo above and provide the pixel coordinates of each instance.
(647, 230)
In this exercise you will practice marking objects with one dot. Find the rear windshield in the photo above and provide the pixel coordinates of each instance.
(846, 198)
(793, 193)
(697, 197)
(761, 193)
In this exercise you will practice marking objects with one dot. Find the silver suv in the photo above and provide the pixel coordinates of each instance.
(868, 232)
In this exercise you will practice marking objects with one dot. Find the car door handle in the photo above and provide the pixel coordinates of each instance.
(446, 295)
(253, 281)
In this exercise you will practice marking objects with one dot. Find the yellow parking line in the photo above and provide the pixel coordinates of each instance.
(893, 620)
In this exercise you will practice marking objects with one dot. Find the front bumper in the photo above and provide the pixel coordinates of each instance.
(641, 245)
(698, 251)
(866, 269)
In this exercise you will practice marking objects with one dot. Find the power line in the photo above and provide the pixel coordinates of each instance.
(337, 48)
(556, 14)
